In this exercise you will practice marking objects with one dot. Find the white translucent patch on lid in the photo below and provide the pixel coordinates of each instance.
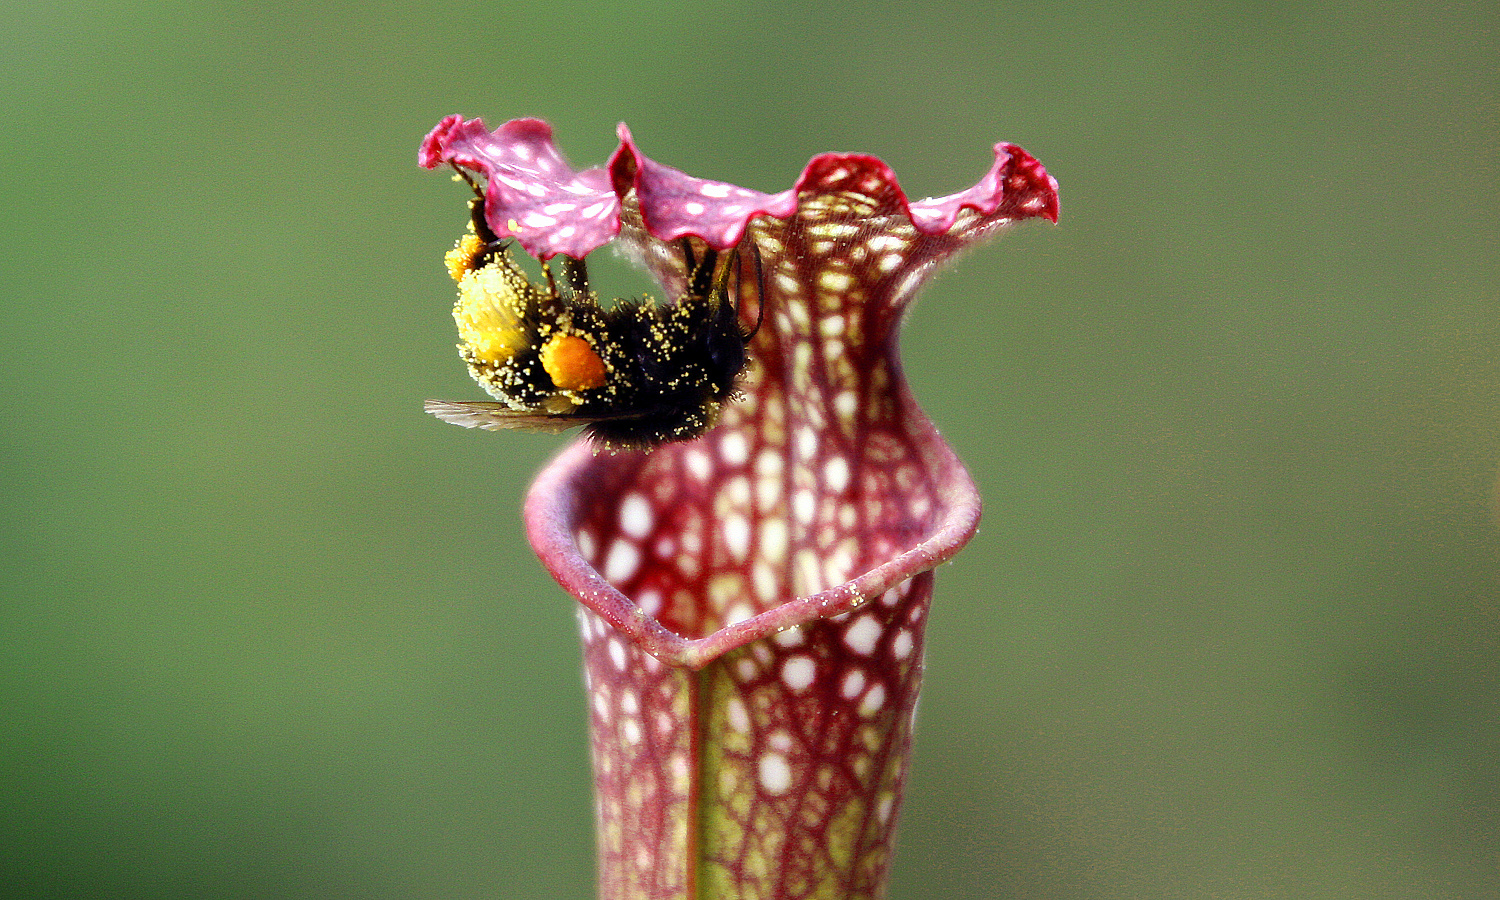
(622, 561)
(798, 672)
(768, 491)
(617, 654)
(890, 262)
(737, 491)
(636, 517)
(764, 581)
(862, 635)
(698, 464)
(775, 774)
(557, 209)
(885, 242)
(678, 766)
(537, 220)
(737, 536)
(873, 702)
(840, 562)
(1032, 205)
(536, 190)
(690, 533)
(788, 283)
(734, 448)
(845, 403)
(773, 540)
(594, 209)
(768, 464)
(714, 189)
(854, 682)
(738, 613)
(803, 505)
(836, 473)
(738, 716)
(809, 572)
(901, 647)
(801, 351)
(567, 231)
(693, 208)
(792, 637)
(648, 602)
(807, 443)
(835, 282)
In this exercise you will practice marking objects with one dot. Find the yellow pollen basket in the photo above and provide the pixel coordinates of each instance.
(489, 314)
(460, 260)
(572, 363)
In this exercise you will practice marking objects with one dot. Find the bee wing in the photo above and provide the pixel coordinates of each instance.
(495, 416)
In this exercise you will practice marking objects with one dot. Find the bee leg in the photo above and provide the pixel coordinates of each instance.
(557, 296)
(700, 272)
(576, 274)
(575, 278)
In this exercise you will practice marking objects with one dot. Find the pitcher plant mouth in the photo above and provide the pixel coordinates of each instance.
(753, 587)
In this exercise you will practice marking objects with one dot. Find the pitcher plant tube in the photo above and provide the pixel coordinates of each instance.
(754, 585)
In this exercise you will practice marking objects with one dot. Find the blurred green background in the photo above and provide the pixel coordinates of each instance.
(1230, 628)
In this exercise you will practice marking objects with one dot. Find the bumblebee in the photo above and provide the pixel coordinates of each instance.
(635, 374)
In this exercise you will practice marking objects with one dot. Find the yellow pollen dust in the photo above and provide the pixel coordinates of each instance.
(572, 363)
(460, 260)
(489, 314)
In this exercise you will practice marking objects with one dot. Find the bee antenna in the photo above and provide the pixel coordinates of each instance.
(576, 274)
(760, 291)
